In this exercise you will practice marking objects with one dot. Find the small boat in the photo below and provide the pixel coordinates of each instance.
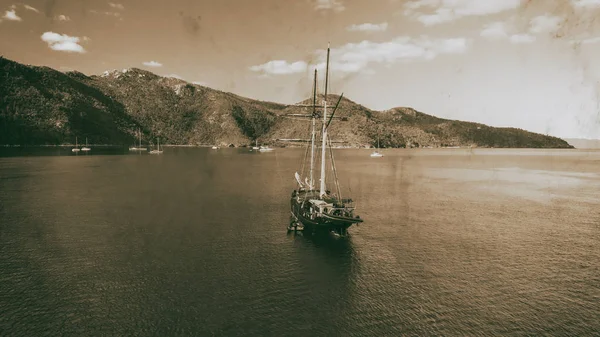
(314, 207)
(265, 149)
(138, 148)
(76, 148)
(158, 150)
(377, 154)
(215, 147)
(85, 148)
(255, 147)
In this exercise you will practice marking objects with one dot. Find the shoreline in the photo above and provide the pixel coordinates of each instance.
(294, 147)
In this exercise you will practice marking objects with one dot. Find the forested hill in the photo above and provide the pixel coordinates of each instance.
(42, 106)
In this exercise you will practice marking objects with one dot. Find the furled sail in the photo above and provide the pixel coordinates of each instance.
(298, 179)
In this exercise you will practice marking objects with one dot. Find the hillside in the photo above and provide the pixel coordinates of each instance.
(39, 105)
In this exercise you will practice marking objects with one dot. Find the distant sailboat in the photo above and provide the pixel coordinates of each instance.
(377, 154)
(85, 148)
(255, 147)
(158, 150)
(138, 148)
(76, 148)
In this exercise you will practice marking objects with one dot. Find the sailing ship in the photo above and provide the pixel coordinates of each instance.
(377, 154)
(158, 150)
(85, 148)
(317, 209)
(255, 147)
(139, 147)
(76, 148)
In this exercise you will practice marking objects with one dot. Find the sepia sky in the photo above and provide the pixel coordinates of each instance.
(522, 63)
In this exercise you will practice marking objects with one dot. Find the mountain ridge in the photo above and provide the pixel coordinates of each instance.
(42, 106)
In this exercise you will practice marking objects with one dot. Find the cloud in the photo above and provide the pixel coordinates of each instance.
(281, 67)
(537, 25)
(335, 5)
(62, 18)
(204, 84)
(31, 8)
(115, 5)
(495, 30)
(522, 38)
(355, 57)
(545, 24)
(62, 42)
(589, 40)
(152, 64)
(586, 3)
(449, 10)
(175, 76)
(368, 27)
(11, 15)
(115, 14)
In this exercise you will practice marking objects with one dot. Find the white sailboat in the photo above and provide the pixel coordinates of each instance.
(139, 147)
(85, 148)
(76, 148)
(158, 150)
(255, 147)
(377, 154)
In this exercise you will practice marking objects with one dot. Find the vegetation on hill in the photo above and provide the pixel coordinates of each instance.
(39, 105)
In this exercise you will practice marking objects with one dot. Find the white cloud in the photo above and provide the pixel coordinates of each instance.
(586, 3)
(368, 27)
(355, 57)
(507, 30)
(335, 5)
(495, 30)
(280, 67)
(31, 8)
(545, 24)
(522, 38)
(62, 18)
(152, 64)
(115, 5)
(62, 42)
(449, 10)
(115, 14)
(589, 40)
(175, 76)
(11, 15)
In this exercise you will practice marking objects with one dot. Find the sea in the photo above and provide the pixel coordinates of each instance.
(194, 242)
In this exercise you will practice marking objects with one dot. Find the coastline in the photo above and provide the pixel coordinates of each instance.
(366, 147)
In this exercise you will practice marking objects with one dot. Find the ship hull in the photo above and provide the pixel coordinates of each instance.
(314, 221)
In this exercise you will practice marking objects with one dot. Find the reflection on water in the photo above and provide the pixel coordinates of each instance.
(194, 243)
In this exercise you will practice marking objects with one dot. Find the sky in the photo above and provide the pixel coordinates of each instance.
(515, 63)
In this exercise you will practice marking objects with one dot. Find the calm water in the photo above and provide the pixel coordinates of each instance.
(193, 242)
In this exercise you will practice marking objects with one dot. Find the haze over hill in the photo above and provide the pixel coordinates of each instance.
(40, 105)
(584, 143)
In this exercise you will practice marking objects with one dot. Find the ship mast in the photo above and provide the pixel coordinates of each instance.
(324, 137)
(312, 139)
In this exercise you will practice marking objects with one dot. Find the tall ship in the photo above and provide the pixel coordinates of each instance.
(314, 207)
